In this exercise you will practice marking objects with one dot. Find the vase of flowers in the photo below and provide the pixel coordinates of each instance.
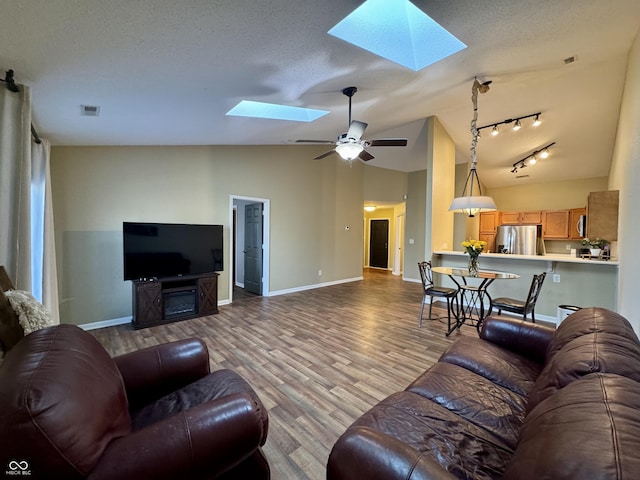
(595, 246)
(474, 249)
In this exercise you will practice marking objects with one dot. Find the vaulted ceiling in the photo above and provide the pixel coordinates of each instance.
(165, 72)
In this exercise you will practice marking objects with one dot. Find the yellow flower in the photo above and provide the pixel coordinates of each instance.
(474, 247)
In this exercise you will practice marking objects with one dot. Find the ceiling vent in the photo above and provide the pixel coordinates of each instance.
(90, 110)
(570, 59)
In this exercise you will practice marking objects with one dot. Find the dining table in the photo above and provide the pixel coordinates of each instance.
(472, 295)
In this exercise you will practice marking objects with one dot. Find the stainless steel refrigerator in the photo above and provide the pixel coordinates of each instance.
(520, 239)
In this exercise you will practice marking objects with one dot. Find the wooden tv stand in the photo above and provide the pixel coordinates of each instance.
(166, 300)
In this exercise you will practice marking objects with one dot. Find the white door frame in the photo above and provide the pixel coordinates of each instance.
(397, 258)
(265, 240)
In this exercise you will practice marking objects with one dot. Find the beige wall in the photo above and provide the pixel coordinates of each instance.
(95, 189)
(625, 176)
(547, 196)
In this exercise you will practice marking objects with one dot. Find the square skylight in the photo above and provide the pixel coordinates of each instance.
(398, 31)
(248, 108)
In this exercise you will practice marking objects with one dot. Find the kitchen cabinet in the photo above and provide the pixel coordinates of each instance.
(555, 224)
(533, 217)
(576, 223)
(602, 215)
(489, 221)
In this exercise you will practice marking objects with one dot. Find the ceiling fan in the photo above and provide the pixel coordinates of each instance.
(351, 145)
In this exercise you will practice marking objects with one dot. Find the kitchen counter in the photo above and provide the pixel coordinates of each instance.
(551, 257)
(569, 281)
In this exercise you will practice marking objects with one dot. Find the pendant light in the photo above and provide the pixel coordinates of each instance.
(468, 203)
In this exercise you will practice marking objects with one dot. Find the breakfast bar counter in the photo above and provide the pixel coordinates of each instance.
(570, 280)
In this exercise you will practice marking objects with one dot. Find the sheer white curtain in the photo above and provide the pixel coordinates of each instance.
(24, 176)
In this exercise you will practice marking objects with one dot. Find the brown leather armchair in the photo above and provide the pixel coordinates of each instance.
(68, 410)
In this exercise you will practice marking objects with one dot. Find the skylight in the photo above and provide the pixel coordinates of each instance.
(398, 31)
(248, 108)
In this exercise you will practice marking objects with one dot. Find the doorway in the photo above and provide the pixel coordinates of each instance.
(249, 246)
(379, 244)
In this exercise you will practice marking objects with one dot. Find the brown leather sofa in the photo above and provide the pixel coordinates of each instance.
(68, 410)
(520, 402)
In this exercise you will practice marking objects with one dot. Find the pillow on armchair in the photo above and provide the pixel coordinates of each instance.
(20, 314)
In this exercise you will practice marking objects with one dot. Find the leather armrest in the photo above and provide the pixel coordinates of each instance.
(154, 371)
(363, 452)
(525, 338)
(209, 439)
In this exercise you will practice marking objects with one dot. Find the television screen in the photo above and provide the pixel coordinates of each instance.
(157, 250)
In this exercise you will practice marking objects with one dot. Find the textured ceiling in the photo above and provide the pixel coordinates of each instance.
(166, 72)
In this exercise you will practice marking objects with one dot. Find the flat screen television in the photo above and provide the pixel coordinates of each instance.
(160, 250)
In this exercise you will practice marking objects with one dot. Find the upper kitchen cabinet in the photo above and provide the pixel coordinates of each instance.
(602, 215)
(555, 224)
(521, 218)
(489, 221)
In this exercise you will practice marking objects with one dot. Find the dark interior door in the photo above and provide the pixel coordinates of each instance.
(253, 248)
(379, 244)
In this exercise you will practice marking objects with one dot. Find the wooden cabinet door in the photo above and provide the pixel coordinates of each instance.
(531, 218)
(490, 238)
(147, 303)
(556, 224)
(208, 295)
(602, 215)
(489, 221)
(510, 218)
(575, 219)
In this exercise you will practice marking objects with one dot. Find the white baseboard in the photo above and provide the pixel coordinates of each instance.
(311, 287)
(105, 323)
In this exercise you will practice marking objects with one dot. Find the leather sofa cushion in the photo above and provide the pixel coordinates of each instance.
(501, 366)
(460, 447)
(588, 321)
(218, 384)
(591, 340)
(491, 407)
(589, 429)
(65, 399)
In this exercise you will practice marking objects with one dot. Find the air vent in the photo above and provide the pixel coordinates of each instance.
(570, 59)
(89, 110)
(523, 176)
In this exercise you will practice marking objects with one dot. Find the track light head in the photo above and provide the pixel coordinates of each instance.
(533, 160)
(517, 126)
(544, 153)
(537, 121)
(495, 130)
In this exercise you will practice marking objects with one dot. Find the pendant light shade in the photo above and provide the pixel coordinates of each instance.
(468, 203)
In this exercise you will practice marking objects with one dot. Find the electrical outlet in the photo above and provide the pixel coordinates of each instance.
(556, 278)
(567, 247)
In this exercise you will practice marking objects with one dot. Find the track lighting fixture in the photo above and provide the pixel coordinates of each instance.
(517, 124)
(532, 158)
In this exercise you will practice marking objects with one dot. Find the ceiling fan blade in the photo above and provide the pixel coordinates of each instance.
(328, 142)
(320, 157)
(388, 142)
(365, 156)
(356, 130)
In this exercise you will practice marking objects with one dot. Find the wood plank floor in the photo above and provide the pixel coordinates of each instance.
(318, 359)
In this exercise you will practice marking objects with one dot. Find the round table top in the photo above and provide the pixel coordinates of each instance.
(463, 272)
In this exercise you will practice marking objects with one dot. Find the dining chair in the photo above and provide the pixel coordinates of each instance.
(430, 290)
(522, 307)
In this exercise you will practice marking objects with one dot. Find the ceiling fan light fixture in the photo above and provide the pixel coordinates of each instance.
(349, 151)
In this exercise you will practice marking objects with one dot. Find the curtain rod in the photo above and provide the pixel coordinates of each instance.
(12, 87)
